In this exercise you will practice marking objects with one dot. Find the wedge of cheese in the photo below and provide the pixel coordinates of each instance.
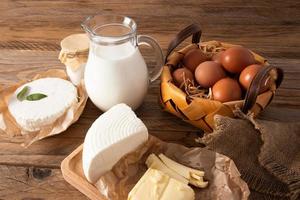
(114, 134)
(154, 162)
(194, 176)
(156, 185)
(32, 115)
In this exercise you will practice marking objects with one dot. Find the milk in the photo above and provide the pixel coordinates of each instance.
(116, 71)
(116, 74)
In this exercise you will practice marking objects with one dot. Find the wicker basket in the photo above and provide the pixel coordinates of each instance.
(200, 111)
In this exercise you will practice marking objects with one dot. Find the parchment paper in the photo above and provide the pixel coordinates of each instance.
(9, 128)
(220, 171)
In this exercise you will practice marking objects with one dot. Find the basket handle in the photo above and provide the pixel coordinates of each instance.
(255, 85)
(192, 29)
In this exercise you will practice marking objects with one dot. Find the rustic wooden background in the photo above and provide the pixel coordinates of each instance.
(30, 32)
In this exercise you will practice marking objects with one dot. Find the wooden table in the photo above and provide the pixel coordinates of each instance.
(30, 32)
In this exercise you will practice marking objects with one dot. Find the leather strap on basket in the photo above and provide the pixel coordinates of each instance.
(255, 85)
(192, 29)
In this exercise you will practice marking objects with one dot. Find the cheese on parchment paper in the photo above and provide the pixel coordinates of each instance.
(32, 115)
(115, 133)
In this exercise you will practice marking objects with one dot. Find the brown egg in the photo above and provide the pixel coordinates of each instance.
(226, 89)
(181, 73)
(248, 74)
(208, 73)
(235, 59)
(193, 58)
(217, 57)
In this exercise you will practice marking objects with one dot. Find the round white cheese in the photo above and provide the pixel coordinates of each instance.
(32, 115)
(115, 133)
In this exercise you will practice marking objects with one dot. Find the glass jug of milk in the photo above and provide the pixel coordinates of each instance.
(116, 71)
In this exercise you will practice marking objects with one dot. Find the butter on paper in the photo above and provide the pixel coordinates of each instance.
(10, 129)
(224, 181)
(156, 183)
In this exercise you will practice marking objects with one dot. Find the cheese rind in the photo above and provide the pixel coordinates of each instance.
(156, 185)
(115, 133)
(32, 115)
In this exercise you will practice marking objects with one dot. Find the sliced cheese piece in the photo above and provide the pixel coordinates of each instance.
(32, 115)
(194, 176)
(114, 134)
(154, 162)
(156, 185)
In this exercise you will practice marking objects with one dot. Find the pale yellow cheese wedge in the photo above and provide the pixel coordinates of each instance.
(194, 176)
(154, 162)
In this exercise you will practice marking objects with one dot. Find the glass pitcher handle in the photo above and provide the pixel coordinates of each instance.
(149, 41)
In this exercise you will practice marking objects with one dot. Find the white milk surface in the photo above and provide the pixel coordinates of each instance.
(116, 74)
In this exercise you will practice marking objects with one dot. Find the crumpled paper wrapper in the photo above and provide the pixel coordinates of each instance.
(9, 128)
(74, 50)
(220, 171)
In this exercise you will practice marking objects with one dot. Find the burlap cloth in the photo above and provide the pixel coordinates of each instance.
(266, 153)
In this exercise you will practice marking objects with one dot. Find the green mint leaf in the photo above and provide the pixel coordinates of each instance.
(35, 97)
(23, 93)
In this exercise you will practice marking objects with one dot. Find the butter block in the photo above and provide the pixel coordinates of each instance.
(175, 190)
(156, 185)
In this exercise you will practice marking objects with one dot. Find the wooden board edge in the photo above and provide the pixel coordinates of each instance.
(75, 180)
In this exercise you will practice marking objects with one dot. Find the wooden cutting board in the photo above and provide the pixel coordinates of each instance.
(72, 171)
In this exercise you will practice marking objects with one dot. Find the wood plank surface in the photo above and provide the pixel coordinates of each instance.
(30, 32)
